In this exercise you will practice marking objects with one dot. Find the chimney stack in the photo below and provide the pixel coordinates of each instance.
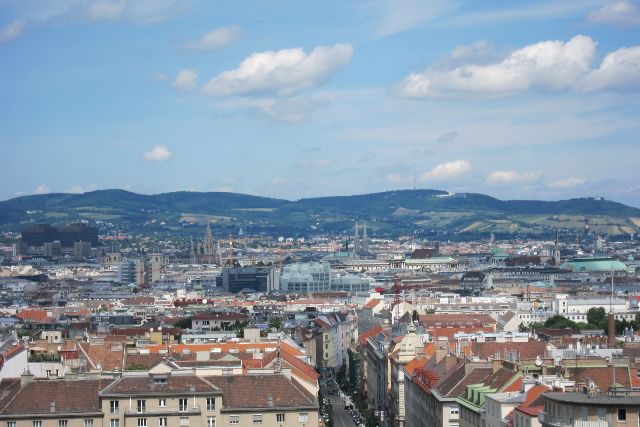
(612, 331)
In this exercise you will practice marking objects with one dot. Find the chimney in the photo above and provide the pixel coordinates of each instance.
(612, 331)
(26, 378)
(496, 364)
(440, 353)
(52, 407)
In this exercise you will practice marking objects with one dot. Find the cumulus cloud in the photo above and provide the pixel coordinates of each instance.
(619, 13)
(215, 39)
(545, 66)
(41, 189)
(566, 183)
(619, 71)
(512, 177)
(284, 72)
(12, 31)
(186, 79)
(157, 153)
(401, 15)
(448, 170)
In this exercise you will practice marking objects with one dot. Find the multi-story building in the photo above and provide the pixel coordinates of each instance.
(592, 408)
(160, 400)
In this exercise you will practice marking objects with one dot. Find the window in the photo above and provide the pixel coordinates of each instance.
(622, 414)
(234, 419)
(584, 413)
(211, 403)
(454, 410)
(257, 418)
(142, 422)
(11, 424)
(303, 417)
(211, 421)
(280, 418)
(159, 380)
(142, 406)
(602, 413)
(36, 423)
(162, 422)
(182, 405)
(184, 421)
(63, 423)
(114, 423)
(162, 403)
(88, 423)
(114, 406)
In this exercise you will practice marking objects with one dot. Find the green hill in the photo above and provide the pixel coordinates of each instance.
(393, 213)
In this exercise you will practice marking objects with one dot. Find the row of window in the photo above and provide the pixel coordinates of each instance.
(303, 417)
(183, 405)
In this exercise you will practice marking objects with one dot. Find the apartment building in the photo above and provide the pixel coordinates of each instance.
(161, 400)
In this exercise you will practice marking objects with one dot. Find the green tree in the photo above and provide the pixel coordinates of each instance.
(183, 323)
(559, 322)
(595, 315)
(275, 323)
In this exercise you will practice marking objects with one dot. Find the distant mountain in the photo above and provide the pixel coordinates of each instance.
(392, 213)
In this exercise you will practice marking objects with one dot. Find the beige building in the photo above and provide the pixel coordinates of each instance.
(159, 400)
(591, 408)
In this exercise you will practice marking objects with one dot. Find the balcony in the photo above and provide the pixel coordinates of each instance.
(192, 410)
(551, 421)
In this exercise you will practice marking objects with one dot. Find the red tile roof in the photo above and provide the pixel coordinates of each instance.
(372, 303)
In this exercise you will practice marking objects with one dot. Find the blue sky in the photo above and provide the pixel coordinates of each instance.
(526, 99)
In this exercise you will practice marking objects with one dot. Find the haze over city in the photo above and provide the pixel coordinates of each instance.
(528, 99)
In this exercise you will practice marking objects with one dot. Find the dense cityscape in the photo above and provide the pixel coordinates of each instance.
(281, 213)
(334, 330)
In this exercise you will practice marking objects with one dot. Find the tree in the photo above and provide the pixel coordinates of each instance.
(183, 323)
(275, 323)
(559, 322)
(595, 315)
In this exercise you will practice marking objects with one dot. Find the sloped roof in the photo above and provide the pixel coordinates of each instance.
(70, 396)
(254, 391)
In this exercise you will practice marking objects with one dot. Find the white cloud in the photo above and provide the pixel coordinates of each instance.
(278, 182)
(12, 31)
(76, 189)
(159, 152)
(396, 178)
(402, 15)
(566, 183)
(215, 39)
(285, 71)
(512, 177)
(106, 10)
(144, 12)
(619, 71)
(185, 80)
(291, 110)
(448, 170)
(42, 189)
(620, 13)
(545, 66)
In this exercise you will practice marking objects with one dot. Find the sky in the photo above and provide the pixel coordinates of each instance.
(290, 99)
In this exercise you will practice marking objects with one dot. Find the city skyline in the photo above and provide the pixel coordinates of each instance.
(535, 100)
